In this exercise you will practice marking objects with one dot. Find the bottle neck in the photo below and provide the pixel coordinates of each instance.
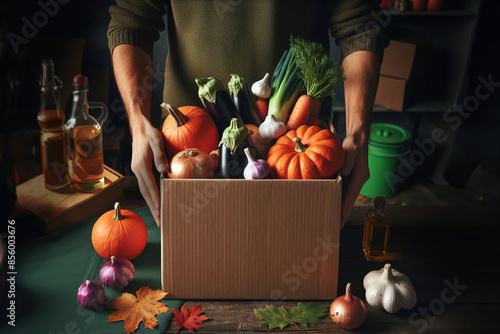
(379, 211)
(379, 205)
(49, 98)
(80, 103)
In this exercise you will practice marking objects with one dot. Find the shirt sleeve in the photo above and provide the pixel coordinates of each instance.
(135, 22)
(356, 26)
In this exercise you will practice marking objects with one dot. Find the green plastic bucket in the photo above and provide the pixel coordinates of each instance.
(387, 144)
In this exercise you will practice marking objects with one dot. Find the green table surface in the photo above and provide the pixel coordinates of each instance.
(50, 270)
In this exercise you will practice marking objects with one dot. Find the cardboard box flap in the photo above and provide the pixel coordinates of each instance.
(241, 239)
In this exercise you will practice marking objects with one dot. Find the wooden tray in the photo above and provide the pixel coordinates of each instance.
(58, 210)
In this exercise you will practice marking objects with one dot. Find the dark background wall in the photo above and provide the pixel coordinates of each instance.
(73, 33)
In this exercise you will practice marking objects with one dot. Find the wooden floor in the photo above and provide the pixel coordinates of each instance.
(448, 253)
(442, 237)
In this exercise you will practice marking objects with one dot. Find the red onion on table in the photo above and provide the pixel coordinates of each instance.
(117, 273)
(90, 295)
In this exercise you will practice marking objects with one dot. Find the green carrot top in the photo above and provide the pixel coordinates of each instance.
(320, 75)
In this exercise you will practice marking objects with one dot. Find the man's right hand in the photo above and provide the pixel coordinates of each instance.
(132, 67)
(147, 146)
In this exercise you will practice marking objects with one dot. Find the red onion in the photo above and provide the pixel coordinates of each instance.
(90, 295)
(117, 273)
(348, 311)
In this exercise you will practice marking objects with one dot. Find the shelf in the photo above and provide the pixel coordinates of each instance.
(427, 14)
(449, 34)
(433, 105)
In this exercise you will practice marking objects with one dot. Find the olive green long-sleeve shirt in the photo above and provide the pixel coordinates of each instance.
(246, 37)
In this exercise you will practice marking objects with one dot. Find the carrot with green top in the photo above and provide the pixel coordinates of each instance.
(320, 76)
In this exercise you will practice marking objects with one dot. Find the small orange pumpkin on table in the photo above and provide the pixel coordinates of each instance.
(306, 153)
(119, 233)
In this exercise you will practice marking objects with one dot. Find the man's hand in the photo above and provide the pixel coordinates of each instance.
(361, 72)
(147, 146)
(133, 75)
(356, 167)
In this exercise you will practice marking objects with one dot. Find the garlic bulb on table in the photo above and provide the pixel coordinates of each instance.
(389, 289)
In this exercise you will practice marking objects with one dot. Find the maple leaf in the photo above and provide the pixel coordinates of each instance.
(133, 310)
(304, 313)
(309, 313)
(189, 319)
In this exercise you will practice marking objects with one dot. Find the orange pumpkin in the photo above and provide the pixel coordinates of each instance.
(119, 233)
(306, 153)
(190, 127)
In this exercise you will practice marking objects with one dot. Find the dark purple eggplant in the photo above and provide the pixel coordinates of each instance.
(231, 166)
(217, 102)
(240, 94)
(233, 159)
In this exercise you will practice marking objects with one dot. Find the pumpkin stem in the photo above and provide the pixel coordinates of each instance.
(118, 213)
(299, 147)
(179, 118)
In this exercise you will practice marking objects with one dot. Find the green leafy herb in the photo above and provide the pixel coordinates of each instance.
(305, 314)
(320, 75)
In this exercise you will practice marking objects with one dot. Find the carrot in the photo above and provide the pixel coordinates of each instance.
(320, 75)
(261, 109)
(313, 120)
(302, 111)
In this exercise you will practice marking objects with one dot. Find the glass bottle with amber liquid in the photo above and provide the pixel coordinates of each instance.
(85, 154)
(376, 232)
(53, 136)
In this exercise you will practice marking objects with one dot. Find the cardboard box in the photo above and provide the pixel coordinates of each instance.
(398, 60)
(402, 74)
(250, 239)
(392, 93)
(58, 210)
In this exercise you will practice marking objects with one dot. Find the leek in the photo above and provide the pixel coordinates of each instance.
(286, 86)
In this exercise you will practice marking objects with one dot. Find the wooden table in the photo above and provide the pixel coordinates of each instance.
(449, 253)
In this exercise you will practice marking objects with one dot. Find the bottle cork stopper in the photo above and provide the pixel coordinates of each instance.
(78, 79)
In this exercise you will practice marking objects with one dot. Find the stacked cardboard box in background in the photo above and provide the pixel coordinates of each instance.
(402, 74)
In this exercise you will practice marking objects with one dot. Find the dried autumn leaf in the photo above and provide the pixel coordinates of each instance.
(188, 319)
(133, 310)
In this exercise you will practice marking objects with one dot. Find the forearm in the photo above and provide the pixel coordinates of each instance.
(361, 73)
(132, 67)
